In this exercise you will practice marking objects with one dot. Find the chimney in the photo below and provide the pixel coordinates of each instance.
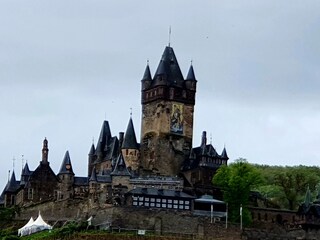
(204, 138)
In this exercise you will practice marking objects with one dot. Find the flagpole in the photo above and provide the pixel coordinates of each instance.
(240, 216)
(227, 216)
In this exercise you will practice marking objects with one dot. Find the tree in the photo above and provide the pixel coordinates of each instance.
(294, 182)
(236, 182)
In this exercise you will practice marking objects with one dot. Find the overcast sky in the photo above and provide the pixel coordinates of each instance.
(65, 66)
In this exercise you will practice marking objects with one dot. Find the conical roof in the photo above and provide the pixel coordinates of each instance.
(12, 185)
(120, 168)
(130, 141)
(26, 171)
(191, 75)
(147, 74)
(105, 134)
(168, 70)
(92, 150)
(93, 177)
(66, 166)
(224, 154)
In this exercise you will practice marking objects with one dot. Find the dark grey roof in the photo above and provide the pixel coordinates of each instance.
(81, 181)
(196, 155)
(13, 184)
(105, 135)
(168, 71)
(160, 192)
(147, 74)
(93, 177)
(104, 179)
(92, 150)
(120, 168)
(191, 75)
(130, 141)
(224, 154)
(66, 166)
(26, 171)
(2, 198)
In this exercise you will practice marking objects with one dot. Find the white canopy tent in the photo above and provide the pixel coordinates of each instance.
(34, 226)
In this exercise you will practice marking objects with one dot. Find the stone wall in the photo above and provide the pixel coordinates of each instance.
(160, 221)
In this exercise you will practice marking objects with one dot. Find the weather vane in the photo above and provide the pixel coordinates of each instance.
(169, 35)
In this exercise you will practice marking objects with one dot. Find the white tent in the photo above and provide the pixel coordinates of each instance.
(31, 221)
(34, 226)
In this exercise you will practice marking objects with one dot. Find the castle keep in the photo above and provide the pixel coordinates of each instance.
(164, 170)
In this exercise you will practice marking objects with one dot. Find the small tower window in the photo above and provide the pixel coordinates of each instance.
(30, 193)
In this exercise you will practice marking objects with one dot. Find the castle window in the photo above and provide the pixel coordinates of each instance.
(127, 152)
(13, 200)
(151, 204)
(30, 193)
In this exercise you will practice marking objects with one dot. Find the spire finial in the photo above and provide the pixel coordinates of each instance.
(22, 160)
(211, 138)
(131, 112)
(8, 175)
(92, 140)
(191, 61)
(13, 160)
(169, 35)
(147, 62)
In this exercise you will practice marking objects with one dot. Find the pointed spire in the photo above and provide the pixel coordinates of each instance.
(93, 177)
(25, 173)
(105, 135)
(92, 150)
(120, 168)
(224, 154)
(147, 74)
(66, 166)
(169, 68)
(191, 75)
(130, 141)
(12, 185)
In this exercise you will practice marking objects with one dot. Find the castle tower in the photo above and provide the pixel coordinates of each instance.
(66, 177)
(130, 148)
(167, 116)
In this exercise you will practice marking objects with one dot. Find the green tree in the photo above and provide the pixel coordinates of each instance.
(236, 181)
(294, 182)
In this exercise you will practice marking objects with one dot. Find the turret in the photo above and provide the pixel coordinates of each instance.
(105, 135)
(130, 148)
(146, 79)
(66, 176)
(191, 82)
(45, 152)
(91, 158)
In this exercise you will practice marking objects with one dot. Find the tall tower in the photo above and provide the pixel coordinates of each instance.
(167, 116)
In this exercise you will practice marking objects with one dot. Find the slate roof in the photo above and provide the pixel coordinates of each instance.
(93, 175)
(13, 184)
(81, 181)
(190, 75)
(92, 150)
(66, 162)
(147, 74)
(168, 71)
(130, 141)
(203, 156)
(120, 168)
(160, 192)
(105, 135)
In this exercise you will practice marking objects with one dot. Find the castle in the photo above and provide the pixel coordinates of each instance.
(162, 171)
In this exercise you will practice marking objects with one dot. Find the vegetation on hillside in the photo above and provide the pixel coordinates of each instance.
(281, 186)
